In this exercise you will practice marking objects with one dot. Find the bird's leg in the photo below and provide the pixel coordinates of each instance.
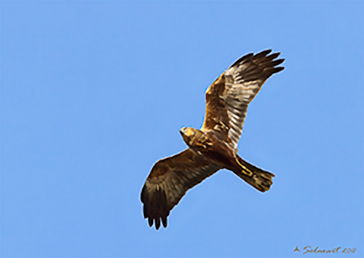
(200, 144)
(245, 171)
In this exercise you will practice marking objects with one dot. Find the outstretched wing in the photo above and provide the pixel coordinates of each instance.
(169, 180)
(227, 99)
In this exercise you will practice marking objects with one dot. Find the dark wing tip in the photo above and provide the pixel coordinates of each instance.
(263, 53)
(271, 63)
(241, 59)
(157, 223)
(150, 222)
(278, 69)
(155, 206)
(277, 62)
(164, 222)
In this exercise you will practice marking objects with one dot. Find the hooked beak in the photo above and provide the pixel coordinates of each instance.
(182, 131)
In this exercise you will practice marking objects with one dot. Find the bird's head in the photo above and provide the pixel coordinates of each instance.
(188, 134)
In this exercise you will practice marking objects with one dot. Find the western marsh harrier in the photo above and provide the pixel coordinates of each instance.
(214, 146)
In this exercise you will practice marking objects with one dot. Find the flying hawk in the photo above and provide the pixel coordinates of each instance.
(214, 146)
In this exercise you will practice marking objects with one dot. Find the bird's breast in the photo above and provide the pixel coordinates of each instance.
(217, 152)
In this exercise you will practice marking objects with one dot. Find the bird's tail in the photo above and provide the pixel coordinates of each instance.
(256, 177)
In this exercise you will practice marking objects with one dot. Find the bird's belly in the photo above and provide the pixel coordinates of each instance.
(222, 156)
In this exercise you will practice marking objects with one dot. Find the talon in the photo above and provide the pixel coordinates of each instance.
(202, 145)
(245, 170)
(265, 176)
(198, 144)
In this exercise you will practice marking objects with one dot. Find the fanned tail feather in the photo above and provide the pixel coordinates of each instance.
(259, 179)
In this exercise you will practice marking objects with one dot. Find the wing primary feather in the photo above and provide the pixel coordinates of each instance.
(278, 69)
(157, 223)
(273, 56)
(247, 56)
(263, 53)
(145, 211)
(143, 199)
(277, 62)
(150, 221)
(164, 221)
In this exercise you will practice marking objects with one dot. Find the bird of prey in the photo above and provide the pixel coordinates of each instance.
(214, 146)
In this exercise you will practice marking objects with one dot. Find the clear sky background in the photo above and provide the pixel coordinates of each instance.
(93, 93)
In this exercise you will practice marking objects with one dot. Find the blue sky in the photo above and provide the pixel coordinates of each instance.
(94, 93)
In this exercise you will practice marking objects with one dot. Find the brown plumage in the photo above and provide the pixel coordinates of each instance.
(214, 146)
